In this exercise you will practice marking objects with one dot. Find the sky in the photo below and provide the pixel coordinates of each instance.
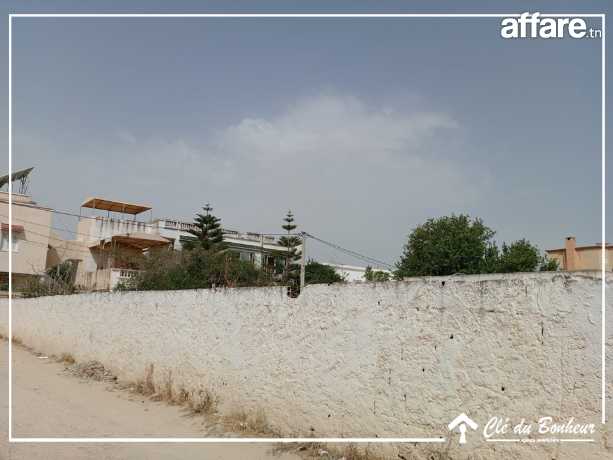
(364, 128)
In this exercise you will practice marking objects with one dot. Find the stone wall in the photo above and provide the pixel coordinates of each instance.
(396, 359)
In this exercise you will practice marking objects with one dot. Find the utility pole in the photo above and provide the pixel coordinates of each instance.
(302, 259)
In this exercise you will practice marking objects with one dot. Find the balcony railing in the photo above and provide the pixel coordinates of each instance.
(105, 279)
(178, 225)
(186, 226)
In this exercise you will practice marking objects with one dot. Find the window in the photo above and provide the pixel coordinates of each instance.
(246, 256)
(4, 242)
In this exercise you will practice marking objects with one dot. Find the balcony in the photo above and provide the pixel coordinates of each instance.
(105, 279)
(106, 228)
(177, 225)
(228, 233)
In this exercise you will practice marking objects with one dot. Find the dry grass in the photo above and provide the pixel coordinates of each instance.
(145, 386)
(17, 341)
(351, 452)
(251, 424)
(181, 398)
(203, 402)
(319, 450)
(314, 450)
(67, 358)
(165, 393)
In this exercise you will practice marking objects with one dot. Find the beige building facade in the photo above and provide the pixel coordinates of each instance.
(31, 232)
(575, 258)
(107, 247)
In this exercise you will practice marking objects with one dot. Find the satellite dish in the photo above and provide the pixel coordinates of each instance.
(21, 176)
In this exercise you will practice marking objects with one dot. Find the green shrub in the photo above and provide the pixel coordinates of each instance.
(43, 285)
(316, 273)
(196, 269)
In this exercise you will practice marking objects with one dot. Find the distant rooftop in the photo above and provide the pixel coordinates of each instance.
(115, 206)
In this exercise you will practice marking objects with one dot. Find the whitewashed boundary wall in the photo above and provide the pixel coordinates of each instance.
(394, 359)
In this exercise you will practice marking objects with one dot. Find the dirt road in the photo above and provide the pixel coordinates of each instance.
(49, 403)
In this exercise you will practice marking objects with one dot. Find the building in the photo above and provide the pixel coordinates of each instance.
(31, 227)
(107, 248)
(30, 239)
(573, 258)
(353, 273)
(262, 250)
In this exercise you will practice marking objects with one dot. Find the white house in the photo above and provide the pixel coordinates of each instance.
(353, 273)
(264, 251)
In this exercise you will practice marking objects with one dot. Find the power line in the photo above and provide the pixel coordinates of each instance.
(46, 245)
(52, 238)
(61, 229)
(355, 254)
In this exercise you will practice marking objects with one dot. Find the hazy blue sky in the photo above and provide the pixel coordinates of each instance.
(363, 127)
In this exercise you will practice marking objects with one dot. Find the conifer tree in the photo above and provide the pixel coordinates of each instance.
(291, 270)
(208, 232)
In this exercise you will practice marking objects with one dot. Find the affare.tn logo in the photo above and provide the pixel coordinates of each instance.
(535, 25)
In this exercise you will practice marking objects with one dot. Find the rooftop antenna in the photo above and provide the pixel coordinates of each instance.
(22, 176)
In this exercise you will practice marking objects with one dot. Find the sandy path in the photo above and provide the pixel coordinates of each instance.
(48, 403)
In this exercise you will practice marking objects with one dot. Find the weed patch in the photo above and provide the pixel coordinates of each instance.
(255, 424)
(67, 358)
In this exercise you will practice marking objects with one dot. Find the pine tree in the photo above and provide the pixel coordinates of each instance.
(291, 270)
(209, 234)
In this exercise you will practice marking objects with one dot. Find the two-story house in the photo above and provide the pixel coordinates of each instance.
(30, 230)
(262, 250)
(107, 247)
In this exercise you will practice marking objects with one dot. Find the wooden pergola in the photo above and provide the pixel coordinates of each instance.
(115, 206)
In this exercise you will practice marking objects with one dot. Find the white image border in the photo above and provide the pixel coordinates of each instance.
(440, 439)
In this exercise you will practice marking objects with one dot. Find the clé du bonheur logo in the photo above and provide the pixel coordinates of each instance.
(544, 429)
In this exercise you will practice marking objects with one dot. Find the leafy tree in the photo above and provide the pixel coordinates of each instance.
(291, 271)
(444, 246)
(208, 232)
(549, 265)
(458, 244)
(375, 275)
(317, 273)
(519, 256)
(491, 259)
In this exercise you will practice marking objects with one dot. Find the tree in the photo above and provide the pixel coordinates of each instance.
(375, 275)
(446, 245)
(291, 270)
(519, 256)
(316, 273)
(491, 258)
(208, 232)
(549, 265)
(459, 244)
